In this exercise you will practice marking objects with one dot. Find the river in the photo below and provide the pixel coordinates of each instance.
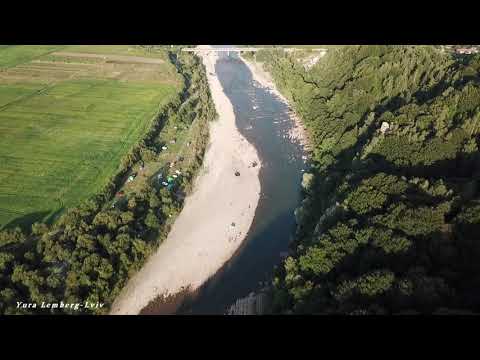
(263, 119)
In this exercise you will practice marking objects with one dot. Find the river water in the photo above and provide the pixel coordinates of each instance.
(264, 121)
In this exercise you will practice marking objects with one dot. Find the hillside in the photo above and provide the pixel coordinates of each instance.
(391, 212)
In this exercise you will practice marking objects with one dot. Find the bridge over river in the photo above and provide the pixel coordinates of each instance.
(228, 50)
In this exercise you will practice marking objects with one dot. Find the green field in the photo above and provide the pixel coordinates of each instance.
(12, 55)
(65, 125)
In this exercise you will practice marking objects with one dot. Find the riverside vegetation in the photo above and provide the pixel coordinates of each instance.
(390, 219)
(88, 254)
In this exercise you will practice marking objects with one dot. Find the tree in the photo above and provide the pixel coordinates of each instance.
(152, 221)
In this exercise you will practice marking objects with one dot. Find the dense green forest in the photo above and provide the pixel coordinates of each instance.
(391, 215)
(92, 250)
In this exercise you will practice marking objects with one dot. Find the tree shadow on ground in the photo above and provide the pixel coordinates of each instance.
(26, 221)
(166, 305)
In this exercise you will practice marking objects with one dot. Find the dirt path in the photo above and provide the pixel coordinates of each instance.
(214, 220)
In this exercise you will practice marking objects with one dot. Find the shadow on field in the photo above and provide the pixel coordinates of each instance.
(25, 222)
(54, 216)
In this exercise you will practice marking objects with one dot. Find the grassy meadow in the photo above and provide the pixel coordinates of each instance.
(66, 121)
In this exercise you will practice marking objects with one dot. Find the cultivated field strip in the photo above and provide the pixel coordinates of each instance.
(119, 58)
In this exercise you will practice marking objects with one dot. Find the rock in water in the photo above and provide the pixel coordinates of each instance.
(385, 127)
(307, 180)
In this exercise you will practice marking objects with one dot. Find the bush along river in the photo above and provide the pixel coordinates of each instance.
(265, 121)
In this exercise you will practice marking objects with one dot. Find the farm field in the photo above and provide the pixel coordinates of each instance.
(67, 119)
(12, 55)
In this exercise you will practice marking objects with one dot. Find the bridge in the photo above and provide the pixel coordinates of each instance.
(248, 49)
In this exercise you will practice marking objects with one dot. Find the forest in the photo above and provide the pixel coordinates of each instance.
(91, 251)
(390, 218)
